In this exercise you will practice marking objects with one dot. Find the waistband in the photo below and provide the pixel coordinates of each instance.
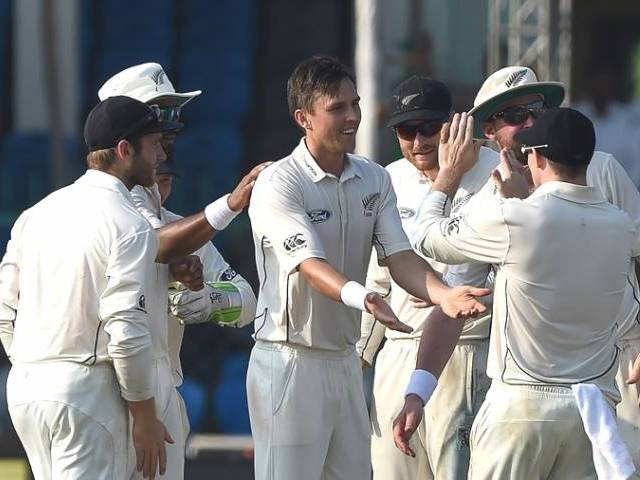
(563, 390)
(305, 351)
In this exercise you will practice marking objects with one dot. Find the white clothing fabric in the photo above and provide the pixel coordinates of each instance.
(627, 411)
(553, 307)
(308, 414)
(611, 457)
(298, 212)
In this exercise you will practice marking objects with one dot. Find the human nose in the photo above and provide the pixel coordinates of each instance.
(528, 123)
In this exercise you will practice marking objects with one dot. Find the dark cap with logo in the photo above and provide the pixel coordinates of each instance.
(118, 118)
(420, 98)
(565, 136)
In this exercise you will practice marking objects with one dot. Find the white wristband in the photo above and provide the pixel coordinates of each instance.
(218, 213)
(422, 384)
(354, 295)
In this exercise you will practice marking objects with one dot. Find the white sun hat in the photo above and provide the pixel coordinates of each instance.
(506, 84)
(145, 82)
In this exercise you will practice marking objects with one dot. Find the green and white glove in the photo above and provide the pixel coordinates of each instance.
(218, 302)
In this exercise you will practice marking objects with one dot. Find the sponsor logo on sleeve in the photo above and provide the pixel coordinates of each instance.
(228, 275)
(319, 215)
(215, 297)
(369, 203)
(295, 242)
(142, 304)
(406, 212)
(453, 226)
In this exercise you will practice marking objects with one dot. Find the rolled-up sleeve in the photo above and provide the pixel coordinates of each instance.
(277, 214)
(123, 310)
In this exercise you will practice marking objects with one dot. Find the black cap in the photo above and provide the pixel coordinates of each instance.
(420, 98)
(568, 134)
(120, 117)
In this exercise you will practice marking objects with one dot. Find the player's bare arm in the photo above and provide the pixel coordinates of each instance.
(439, 337)
(415, 275)
(149, 436)
(330, 282)
(185, 236)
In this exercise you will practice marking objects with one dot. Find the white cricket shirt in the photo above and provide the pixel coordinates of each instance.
(563, 256)
(74, 282)
(297, 212)
(411, 187)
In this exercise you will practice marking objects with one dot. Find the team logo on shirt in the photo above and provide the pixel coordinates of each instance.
(453, 226)
(228, 275)
(369, 203)
(142, 304)
(295, 242)
(406, 212)
(319, 215)
(460, 201)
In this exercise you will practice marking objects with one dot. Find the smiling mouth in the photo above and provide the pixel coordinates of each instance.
(349, 131)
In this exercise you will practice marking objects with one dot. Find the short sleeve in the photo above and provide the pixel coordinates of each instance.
(389, 236)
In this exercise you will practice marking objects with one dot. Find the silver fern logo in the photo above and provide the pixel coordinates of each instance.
(407, 100)
(369, 203)
(515, 78)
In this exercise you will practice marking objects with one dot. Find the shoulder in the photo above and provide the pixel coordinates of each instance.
(370, 170)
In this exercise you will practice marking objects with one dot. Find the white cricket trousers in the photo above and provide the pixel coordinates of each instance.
(308, 414)
(171, 411)
(530, 433)
(71, 420)
(441, 442)
(627, 410)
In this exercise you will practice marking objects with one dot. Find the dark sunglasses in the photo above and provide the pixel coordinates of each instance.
(518, 114)
(167, 114)
(407, 131)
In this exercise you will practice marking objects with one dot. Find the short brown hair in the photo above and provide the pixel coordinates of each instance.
(317, 75)
(567, 171)
(103, 159)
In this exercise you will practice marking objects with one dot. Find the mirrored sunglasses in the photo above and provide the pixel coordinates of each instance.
(166, 114)
(408, 131)
(518, 114)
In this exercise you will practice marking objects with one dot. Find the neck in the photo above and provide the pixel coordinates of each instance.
(431, 173)
(554, 177)
(119, 175)
(330, 162)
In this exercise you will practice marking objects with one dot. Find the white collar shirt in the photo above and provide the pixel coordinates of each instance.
(562, 258)
(298, 211)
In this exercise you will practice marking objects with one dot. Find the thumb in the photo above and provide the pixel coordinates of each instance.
(635, 372)
(505, 163)
(167, 436)
(479, 291)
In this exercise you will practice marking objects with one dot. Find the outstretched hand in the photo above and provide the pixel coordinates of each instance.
(461, 302)
(457, 151)
(382, 312)
(241, 195)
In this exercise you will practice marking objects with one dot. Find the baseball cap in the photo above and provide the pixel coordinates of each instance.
(146, 82)
(420, 98)
(563, 135)
(507, 84)
(117, 118)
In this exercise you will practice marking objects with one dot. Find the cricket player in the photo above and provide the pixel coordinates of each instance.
(74, 284)
(509, 101)
(225, 297)
(316, 215)
(562, 256)
(421, 106)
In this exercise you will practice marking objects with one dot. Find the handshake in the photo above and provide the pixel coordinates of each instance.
(218, 302)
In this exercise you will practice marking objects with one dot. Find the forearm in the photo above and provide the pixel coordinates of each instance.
(323, 278)
(439, 337)
(448, 181)
(416, 276)
(142, 409)
(183, 237)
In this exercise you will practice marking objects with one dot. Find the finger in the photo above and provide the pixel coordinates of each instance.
(479, 291)
(505, 162)
(497, 179)
(455, 123)
(162, 460)
(444, 132)
(153, 465)
(462, 128)
(139, 459)
(167, 436)
(468, 138)
(635, 372)
(146, 466)
(398, 326)
(398, 435)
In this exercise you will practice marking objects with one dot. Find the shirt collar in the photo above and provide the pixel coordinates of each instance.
(569, 191)
(97, 178)
(302, 155)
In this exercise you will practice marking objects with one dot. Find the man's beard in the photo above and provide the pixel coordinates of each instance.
(514, 146)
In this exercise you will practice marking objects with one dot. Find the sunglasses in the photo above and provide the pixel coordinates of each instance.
(407, 131)
(166, 114)
(518, 114)
(527, 149)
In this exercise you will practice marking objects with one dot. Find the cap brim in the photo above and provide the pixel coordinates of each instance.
(179, 99)
(160, 127)
(417, 115)
(553, 93)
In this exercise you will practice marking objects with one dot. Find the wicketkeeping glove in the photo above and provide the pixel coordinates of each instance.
(218, 302)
